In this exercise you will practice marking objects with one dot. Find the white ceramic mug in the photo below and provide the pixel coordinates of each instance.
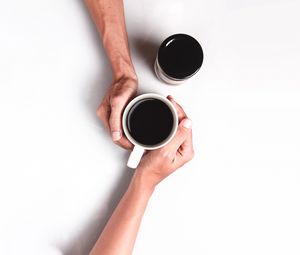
(139, 148)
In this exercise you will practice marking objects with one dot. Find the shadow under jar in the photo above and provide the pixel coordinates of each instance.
(179, 57)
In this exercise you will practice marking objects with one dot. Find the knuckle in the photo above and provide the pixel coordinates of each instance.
(130, 86)
(167, 155)
(101, 111)
(192, 152)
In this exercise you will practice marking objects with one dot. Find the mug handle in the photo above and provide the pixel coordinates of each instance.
(135, 156)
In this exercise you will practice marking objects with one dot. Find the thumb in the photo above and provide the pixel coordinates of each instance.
(181, 135)
(115, 122)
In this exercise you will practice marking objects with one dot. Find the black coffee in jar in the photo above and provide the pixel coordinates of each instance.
(149, 121)
(179, 57)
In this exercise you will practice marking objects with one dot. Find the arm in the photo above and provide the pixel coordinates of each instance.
(119, 234)
(108, 16)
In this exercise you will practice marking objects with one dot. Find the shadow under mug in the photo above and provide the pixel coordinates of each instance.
(139, 149)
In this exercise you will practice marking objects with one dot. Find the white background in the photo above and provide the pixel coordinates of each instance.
(60, 174)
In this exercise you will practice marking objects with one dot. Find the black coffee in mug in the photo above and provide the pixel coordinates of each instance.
(150, 121)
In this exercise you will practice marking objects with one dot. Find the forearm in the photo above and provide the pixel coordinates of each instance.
(119, 234)
(108, 16)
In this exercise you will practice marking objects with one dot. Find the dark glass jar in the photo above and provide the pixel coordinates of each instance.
(179, 57)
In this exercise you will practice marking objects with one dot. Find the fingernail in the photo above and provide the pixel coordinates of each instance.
(116, 135)
(170, 97)
(187, 123)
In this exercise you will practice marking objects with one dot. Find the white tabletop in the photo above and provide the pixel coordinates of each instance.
(61, 175)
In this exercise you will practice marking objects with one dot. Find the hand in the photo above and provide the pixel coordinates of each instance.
(112, 106)
(158, 164)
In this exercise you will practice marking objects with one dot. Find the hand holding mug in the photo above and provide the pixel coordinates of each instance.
(110, 110)
(158, 164)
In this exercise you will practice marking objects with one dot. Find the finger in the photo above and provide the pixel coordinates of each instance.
(186, 149)
(115, 119)
(180, 111)
(124, 143)
(188, 143)
(185, 153)
(121, 97)
(181, 135)
(103, 113)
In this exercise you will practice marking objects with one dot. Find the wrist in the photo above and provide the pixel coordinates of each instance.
(123, 68)
(148, 181)
(140, 178)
